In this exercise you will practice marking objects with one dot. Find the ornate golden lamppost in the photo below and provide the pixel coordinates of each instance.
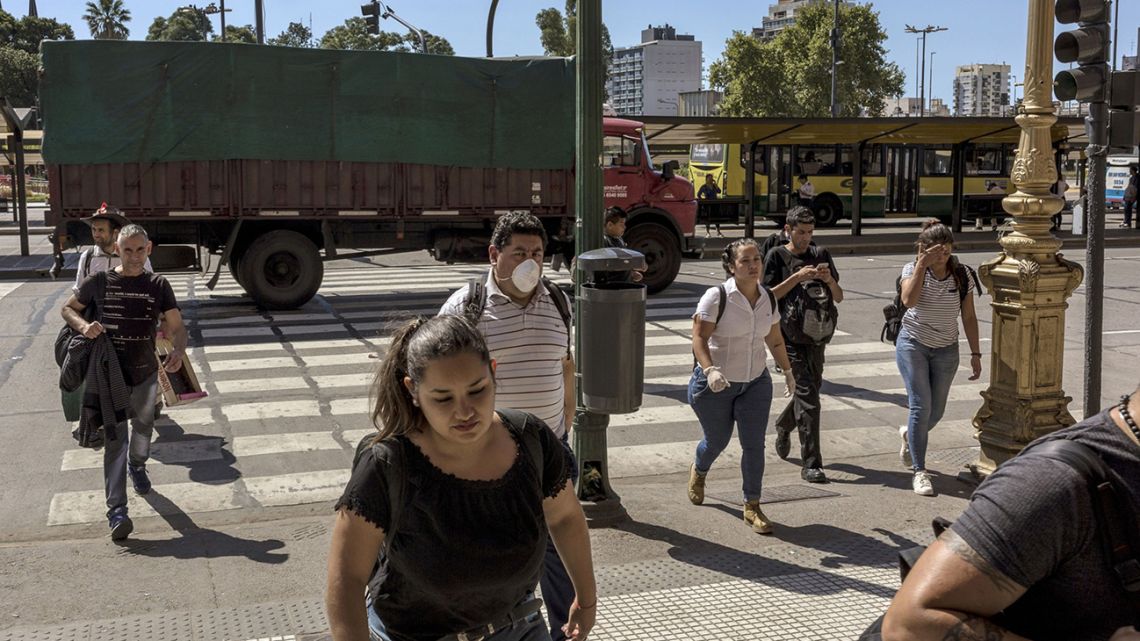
(1029, 281)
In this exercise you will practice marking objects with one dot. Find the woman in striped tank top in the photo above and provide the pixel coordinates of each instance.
(936, 291)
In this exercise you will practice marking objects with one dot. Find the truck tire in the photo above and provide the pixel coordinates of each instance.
(234, 265)
(662, 254)
(281, 270)
(827, 210)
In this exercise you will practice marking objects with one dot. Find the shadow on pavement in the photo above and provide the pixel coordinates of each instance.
(943, 484)
(862, 393)
(765, 570)
(204, 543)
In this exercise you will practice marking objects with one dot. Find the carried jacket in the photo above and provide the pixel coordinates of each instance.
(107, 399)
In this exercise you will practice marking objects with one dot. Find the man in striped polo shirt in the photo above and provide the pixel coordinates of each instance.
(529, 341)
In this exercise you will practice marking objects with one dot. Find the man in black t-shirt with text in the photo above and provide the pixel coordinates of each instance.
(789, 271)
(133, 303)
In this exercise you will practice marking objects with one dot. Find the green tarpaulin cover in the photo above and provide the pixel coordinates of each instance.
(123, 102)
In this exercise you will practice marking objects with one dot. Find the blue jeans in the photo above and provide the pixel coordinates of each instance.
(532, 628)
(746, 405)
(927, 373)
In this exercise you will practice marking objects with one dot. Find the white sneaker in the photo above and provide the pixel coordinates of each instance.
(922, 484)
(904, 453)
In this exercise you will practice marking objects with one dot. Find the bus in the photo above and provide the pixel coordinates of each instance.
(898, 180)
(1116, 178)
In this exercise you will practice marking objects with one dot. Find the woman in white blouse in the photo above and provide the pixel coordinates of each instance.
(730, 383)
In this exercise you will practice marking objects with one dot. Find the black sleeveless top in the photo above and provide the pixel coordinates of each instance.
(463, 552)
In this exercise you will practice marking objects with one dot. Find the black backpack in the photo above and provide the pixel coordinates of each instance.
(893, 312)
(809, 316)
(1113, 514)
(476, 301)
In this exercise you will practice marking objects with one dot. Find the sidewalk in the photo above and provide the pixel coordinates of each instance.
(673, 572)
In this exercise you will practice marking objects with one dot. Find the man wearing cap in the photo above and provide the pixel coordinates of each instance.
(105, 224)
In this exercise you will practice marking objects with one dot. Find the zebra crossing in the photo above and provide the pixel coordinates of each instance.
(289, 396)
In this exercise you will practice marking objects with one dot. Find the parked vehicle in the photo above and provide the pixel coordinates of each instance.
(278, 159)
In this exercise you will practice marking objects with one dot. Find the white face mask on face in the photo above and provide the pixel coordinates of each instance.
(525, 276)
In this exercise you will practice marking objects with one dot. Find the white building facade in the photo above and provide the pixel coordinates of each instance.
(782, 15)
(648, 78)
(982, 90)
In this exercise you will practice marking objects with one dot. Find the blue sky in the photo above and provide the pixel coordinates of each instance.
(987, 31)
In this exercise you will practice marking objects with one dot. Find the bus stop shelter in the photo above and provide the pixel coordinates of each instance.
(856, 133)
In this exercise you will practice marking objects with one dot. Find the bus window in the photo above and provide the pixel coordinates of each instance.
(815, 160)
(706, 154)
(873, 160)
(620, 152)
(758, 161)
(937, 162)
(984, 160)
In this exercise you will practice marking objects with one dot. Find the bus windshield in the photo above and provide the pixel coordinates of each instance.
(707, 154)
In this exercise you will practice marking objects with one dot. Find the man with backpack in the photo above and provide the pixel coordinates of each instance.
(1046, 549)
(526, 322)
(804, 278)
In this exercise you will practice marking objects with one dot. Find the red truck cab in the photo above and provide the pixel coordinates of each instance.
(662, 206)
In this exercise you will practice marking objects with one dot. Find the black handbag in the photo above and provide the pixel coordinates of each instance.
(90, 314)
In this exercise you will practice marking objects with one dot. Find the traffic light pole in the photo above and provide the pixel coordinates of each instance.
(1097, 151)
(600, 503)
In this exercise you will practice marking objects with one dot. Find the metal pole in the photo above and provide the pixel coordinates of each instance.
(750, 192)
(223, 13)
(16, 142)
(600, 503)
(835, 63)
(491, 27)
(259, 9)
(932, 53)
(857, 190)
(1097, 151)
(922, 80)
(915, 68)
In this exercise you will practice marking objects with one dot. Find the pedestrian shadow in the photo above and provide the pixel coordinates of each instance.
(195, 542)
(679, 393)
(844, 547)
(944, 484)
(844, 390)
(724, 560)
(209, 471)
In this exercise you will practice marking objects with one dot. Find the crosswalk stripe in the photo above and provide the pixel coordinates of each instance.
(90, 506)
(670, 458)
(247, 385)
(272, 410)
(8, 288)
(297, 489)
(166, 453)
(831, 373)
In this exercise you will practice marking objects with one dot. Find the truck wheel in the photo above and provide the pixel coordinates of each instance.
(281, 270)
(827, 210)
(234, 265)
(662, 254)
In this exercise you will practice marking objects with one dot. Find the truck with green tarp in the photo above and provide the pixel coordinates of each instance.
(279, 159)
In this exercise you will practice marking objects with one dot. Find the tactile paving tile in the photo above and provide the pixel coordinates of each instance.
(953, 458)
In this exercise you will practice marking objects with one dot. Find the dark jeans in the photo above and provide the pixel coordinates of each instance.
(802, 412)
(130, 445)
(1128, 205)
(557, 590)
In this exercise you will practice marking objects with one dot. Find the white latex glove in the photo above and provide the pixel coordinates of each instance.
(717, 381)
(789, 383)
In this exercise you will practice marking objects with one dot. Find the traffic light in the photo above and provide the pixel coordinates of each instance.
(1088, 46)
(371, 13)
(1123, 117)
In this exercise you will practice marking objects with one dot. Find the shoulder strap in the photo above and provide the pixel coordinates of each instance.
(559, 300)
(721, 302)
(771, 298)
(85, 266)
(475, 301)
(518, 421)
(1111, 508)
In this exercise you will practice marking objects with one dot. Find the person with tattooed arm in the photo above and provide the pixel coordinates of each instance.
(1027, 560)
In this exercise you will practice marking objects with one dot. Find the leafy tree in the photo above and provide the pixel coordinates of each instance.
(185, 24)
(244, 33)
(26, 33)
(559, 33)
(19, 76)
(295, 35)
(790, 75)
(353, 35)
(107, 20)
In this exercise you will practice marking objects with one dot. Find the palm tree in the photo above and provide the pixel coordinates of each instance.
(108, 19)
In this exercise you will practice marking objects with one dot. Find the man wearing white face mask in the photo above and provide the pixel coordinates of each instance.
(525, 320)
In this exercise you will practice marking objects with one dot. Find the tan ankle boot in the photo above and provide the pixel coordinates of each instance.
(696, 486)
(755, 518)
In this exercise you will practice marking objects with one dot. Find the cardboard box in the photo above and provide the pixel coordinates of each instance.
(178, 388)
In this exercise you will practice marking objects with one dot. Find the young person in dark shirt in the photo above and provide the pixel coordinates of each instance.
(456, 500)
(1027, 559)
(788, 271)
(134, 302)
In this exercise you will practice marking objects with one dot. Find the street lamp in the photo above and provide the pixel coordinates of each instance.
(932, 53)
(922, 74)
(209, 9)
